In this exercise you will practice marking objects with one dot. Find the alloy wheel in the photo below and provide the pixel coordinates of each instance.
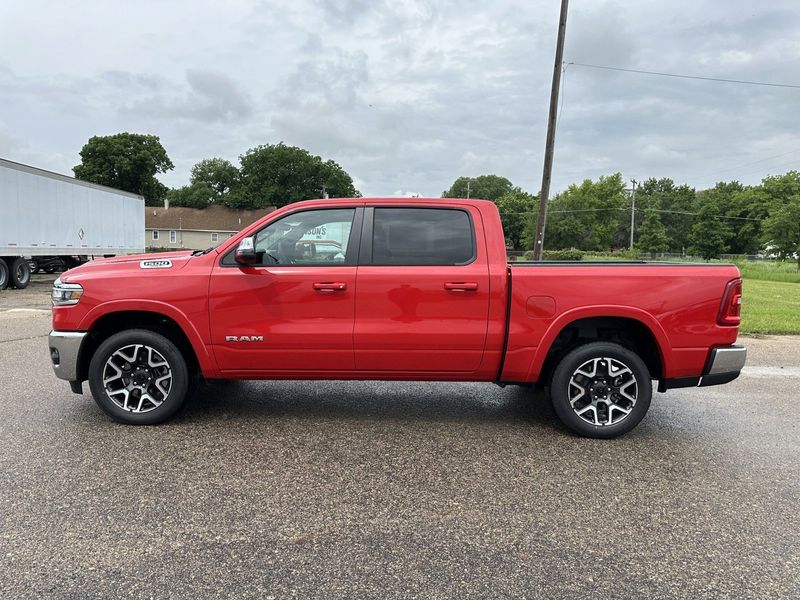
(603, 391)
(137, 378)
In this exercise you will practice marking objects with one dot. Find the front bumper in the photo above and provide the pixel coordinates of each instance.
(65, 349)
(723, 366)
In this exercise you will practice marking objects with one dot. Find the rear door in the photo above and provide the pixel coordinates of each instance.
(422, 292)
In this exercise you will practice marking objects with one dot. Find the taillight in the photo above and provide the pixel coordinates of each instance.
(731, 308)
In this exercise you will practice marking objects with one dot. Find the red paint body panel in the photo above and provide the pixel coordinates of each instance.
(405, 323)
(423, 318)
(678, 304)
(303, 328)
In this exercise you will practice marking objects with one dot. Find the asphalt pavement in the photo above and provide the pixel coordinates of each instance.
(396, 490)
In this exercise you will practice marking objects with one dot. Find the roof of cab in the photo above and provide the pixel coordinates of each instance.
(401, 200)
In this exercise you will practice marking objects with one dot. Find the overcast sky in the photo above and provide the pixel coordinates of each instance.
(407, 95)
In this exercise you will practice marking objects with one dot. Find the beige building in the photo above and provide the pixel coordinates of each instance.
(193, 228)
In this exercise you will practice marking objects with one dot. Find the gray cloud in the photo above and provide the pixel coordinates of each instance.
(210, 97)
(409, 95)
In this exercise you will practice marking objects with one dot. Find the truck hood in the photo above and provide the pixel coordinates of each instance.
(156, 263)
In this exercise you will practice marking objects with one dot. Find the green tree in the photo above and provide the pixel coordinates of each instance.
(276, 175)
(652, 233)
(751, 207)
(126, 161)
(195, 195)
(588, 216)
(715, 208)
(782, 230)
(676, 203)
(747, 209)
(485, 187)
(517, 209)
(217, 173)
(782, 187)
(710, 233)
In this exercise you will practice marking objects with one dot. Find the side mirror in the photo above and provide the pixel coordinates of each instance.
(246, 252)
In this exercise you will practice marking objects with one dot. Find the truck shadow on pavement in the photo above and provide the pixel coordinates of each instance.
(400, 401)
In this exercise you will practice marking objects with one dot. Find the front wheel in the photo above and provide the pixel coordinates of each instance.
(601, 390)
(139, 377)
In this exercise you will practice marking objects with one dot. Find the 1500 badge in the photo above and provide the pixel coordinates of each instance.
(160, 263)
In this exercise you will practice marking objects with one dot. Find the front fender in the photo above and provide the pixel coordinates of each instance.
(205, 359)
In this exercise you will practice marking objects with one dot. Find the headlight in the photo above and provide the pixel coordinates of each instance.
(65, 294)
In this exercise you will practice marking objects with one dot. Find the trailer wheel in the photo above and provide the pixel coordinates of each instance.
(3, 274)
(601, 390)
(20, 273)
(139, 377)
(34, 265)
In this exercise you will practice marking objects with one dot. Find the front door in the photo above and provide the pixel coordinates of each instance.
(294, 309)
(422, 297)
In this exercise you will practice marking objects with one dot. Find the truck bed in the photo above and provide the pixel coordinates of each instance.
(678, 302)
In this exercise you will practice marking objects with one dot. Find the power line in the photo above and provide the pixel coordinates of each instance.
(563, 93)
(685, 212)
(773, 170)
(642, 72)
(639, 210)
(748, 164)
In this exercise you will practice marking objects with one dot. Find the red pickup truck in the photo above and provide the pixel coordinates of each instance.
(388, 289)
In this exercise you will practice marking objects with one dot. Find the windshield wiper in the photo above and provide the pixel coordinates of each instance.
(201, 252)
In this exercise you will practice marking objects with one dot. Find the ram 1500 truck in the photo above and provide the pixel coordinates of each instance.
(389, 289)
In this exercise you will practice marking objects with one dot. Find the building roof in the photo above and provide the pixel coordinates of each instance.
(213, 218)
(10, 164)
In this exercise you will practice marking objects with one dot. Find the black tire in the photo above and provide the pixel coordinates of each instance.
(171, 402)
(4, 274)
(20, 273)
(34, 265)
(608, 383)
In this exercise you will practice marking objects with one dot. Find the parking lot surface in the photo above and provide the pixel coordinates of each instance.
(36, 295)
(389, 490)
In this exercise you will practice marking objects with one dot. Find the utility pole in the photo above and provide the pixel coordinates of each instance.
(551, 133)
(633, 208)
(468, 180)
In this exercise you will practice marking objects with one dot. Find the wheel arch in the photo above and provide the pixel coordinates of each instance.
(178, 330)
(636, 330)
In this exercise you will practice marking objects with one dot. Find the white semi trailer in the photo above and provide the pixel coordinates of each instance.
(45, 216)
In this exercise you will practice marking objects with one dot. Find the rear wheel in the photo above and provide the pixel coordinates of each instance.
(601, 390)
(20, 273)
(4, 274)
(139, 377)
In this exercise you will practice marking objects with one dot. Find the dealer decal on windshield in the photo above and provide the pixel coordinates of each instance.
(155, 264)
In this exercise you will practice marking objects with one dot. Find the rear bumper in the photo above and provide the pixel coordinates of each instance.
(65, 349)
(723, 366)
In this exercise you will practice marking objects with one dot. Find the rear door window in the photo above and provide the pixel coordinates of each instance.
(422, 236)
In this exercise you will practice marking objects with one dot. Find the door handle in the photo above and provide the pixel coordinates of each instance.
(338, 286)
(461, 287)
